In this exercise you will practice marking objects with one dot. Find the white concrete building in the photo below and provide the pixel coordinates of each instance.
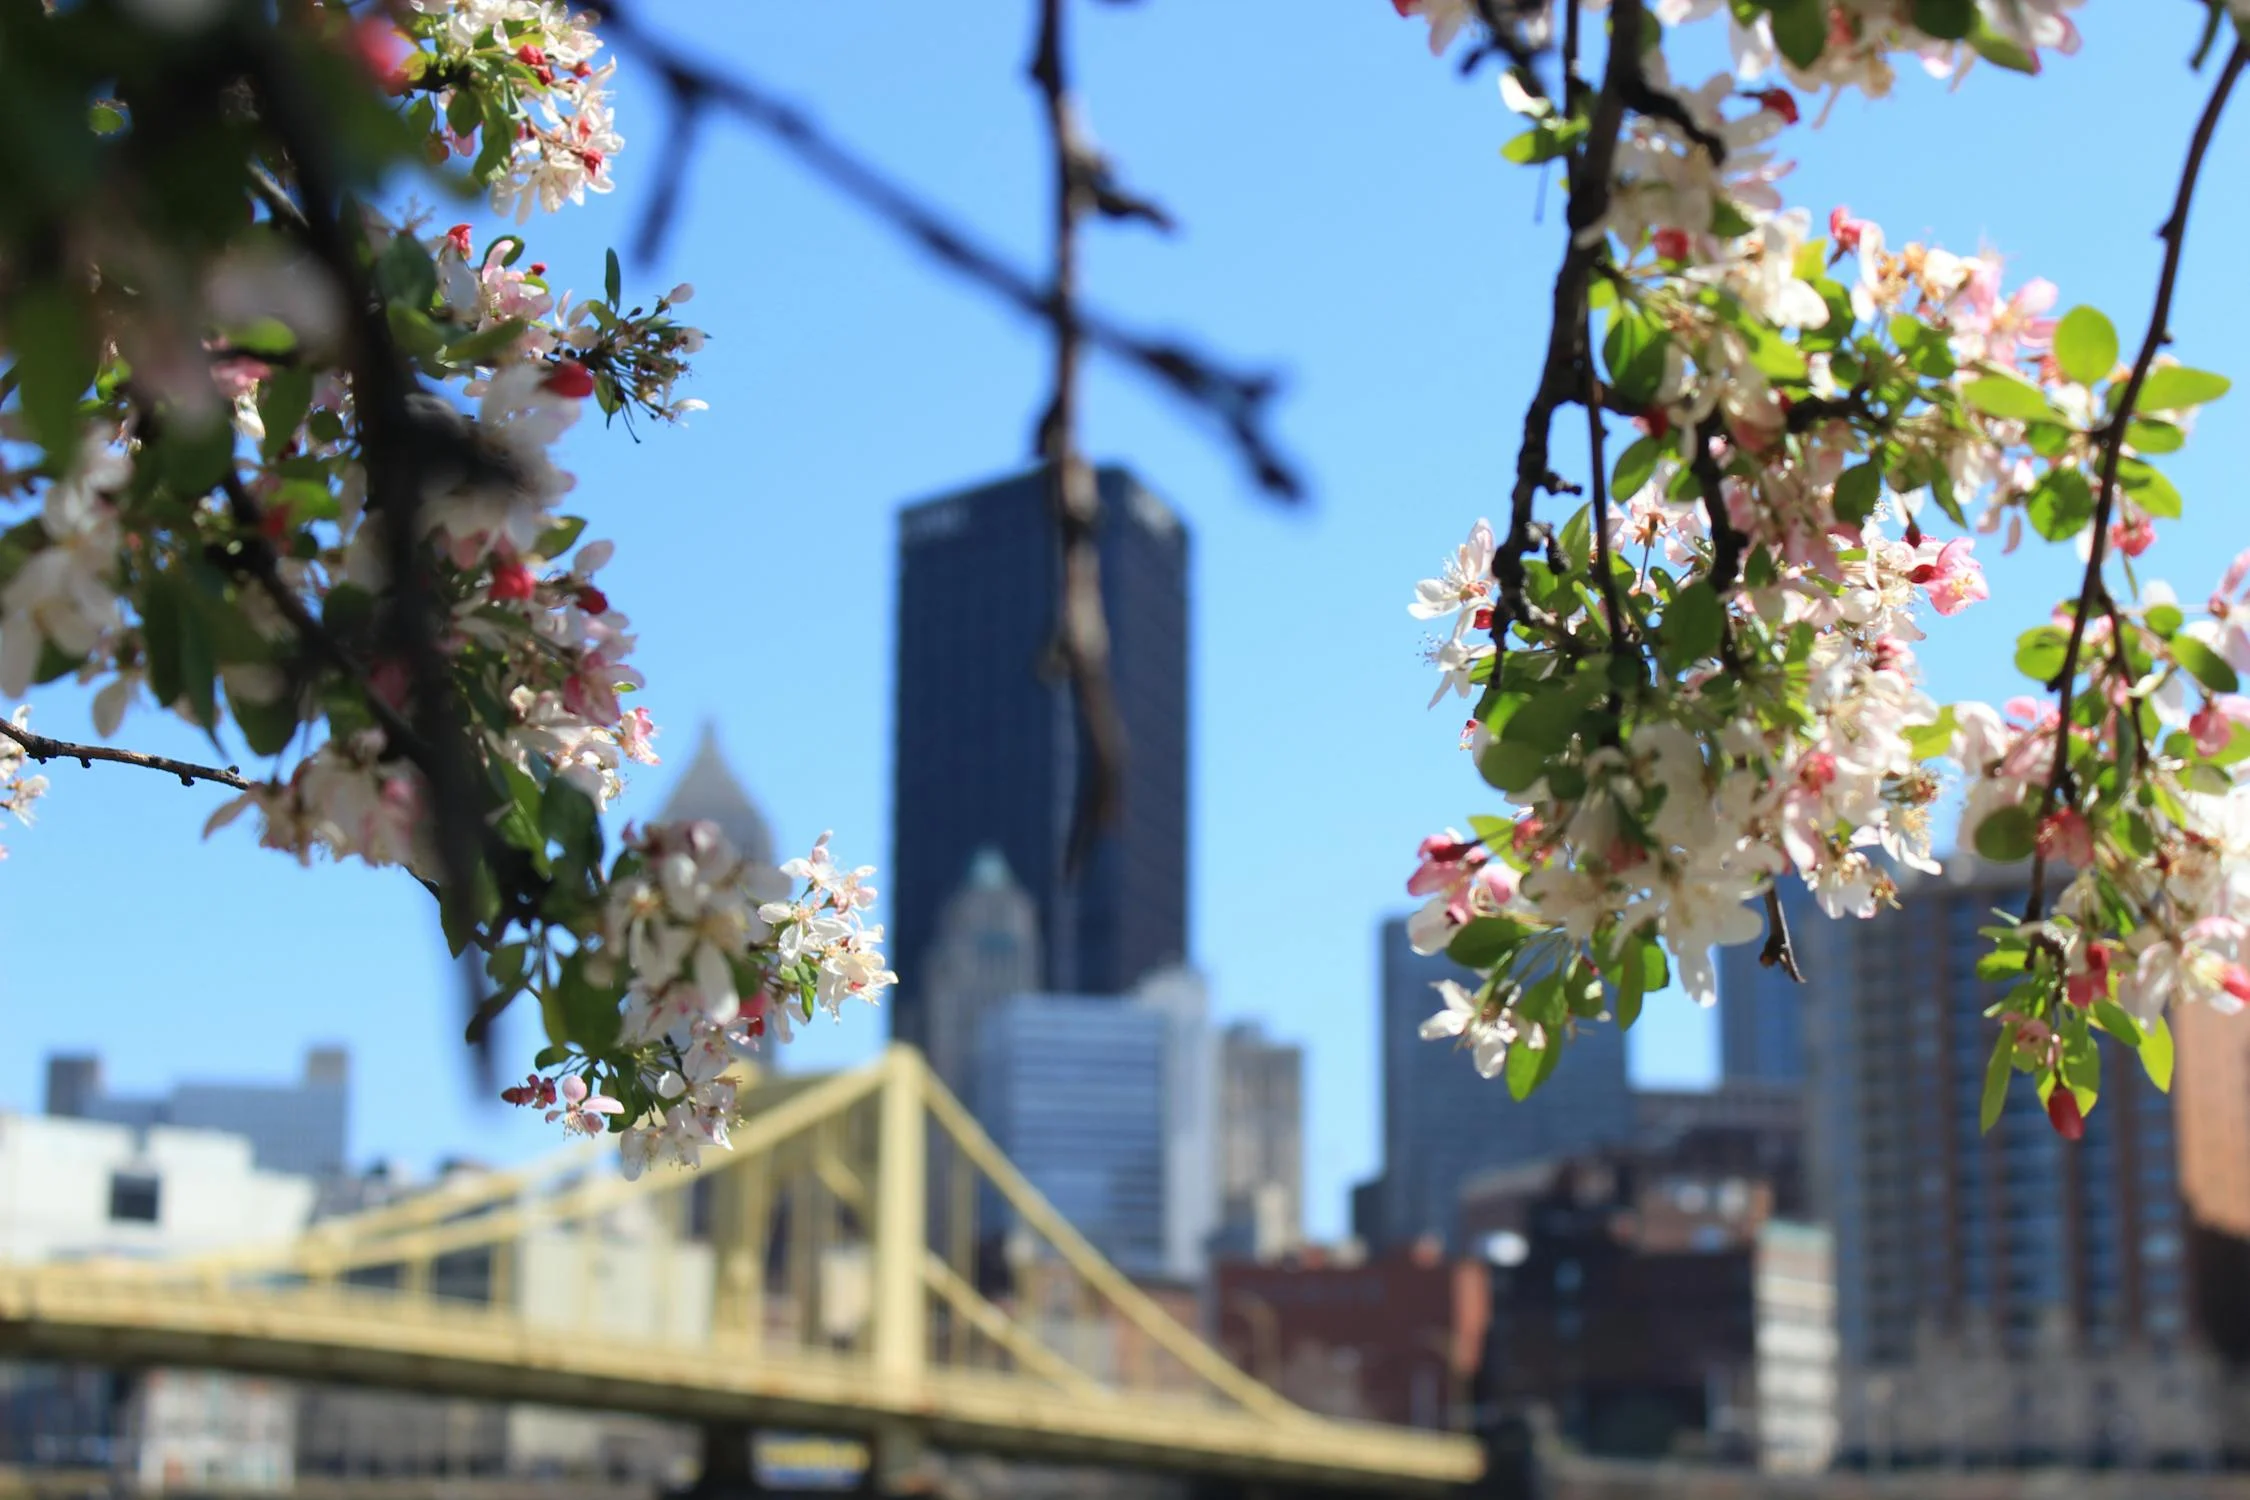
(76, 1188)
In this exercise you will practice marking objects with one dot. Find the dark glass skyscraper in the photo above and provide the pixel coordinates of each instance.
(1442, 1124)
(1761, 1009)
(988, 744)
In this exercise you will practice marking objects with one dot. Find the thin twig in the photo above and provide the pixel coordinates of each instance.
(1558, 379)
(1612, 609)
(42, 749)
(1726, 542)
(1238, 403)
(2174, 235)
(1778, 953)
(1081, 645)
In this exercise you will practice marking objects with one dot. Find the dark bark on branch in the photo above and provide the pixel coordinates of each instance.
(1778, 953)
(2092, 591)
(42, 749)
(1081, 641)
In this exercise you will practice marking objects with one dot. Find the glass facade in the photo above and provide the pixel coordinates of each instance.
(1443, 1124)
(987, 746)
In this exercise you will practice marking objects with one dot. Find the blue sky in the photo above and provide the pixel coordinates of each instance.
(1346, 218)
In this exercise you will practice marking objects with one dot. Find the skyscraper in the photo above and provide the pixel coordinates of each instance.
(1957, 1250)
(1442, 1123)
(986, 948)
(1103, 1102)
(988, 747)
(1261, 1143)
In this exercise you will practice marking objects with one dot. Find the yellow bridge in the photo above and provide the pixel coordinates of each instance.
(835, 1272)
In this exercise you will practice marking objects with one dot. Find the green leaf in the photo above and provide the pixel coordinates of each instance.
(1727, 221)
(559, 538)
(2061, 505)
(2085, 344)
(2164, 619)
(613, 280)
(2112, 1018)
(2007, 397)
(2040, 651)
(1511, 766)
(1548, 720)
(1496, 832)
(266, 727)
(1484, 942)
(2008, 835)
(1526, 1067)
(1857, 490)
(53, 342)
(1694, 623)
(567, 815)
(405, 274)
(1926, 740)
(2203, 664)
(2002, 965)
(1997, 1070)
(2156, 1054)
(1800, 29)
(2176, 388)
(2152, 435)
(1635, 467)
(2150, 490)
(282, 403)
(1577, 537)
(2001, 51)
(1633, 350)
(1947, 20)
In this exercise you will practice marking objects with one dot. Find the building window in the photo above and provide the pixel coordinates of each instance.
(133, 1197)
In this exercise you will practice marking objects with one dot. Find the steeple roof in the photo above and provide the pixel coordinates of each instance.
(707, 791)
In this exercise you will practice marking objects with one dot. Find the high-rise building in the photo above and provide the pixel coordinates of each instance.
(1957, 1249)
(986, 948)
(1761, 1009)
(300, 1128)
(1442, 1123)
(988, 741)
(1261, 1144)
(1104, 1104)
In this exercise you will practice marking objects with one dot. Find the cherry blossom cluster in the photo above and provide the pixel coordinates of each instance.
(708, 966)
(200, 530)
(1705, 681)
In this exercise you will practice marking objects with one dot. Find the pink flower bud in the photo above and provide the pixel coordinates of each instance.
(513, 581)
(1780, 102)
(572, 380)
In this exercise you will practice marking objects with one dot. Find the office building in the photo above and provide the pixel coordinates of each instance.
(1796, 1331)
(1761, 1009)
(1967, 1261)
(1442, 1123)
(988, 749)
(1104, 1104)
(1394, 1338)
(986, 948)
(299, 1128)
(1261, 1144)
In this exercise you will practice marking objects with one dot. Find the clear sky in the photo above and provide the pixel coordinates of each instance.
(1347, 218)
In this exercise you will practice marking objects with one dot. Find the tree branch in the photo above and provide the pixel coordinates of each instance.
(2174, 235)
(42, 749)
(1081, 642)
(1558, 379)
(1236, 402)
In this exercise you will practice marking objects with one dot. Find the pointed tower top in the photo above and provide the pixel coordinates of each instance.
(988, 870)
(708, 791)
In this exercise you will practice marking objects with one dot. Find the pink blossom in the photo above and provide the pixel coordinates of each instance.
(2091, 981)
(1953, 578)
(2065, 835)
(2132, 534)
(1845, 229)
(582, 1109)
(636, 732)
